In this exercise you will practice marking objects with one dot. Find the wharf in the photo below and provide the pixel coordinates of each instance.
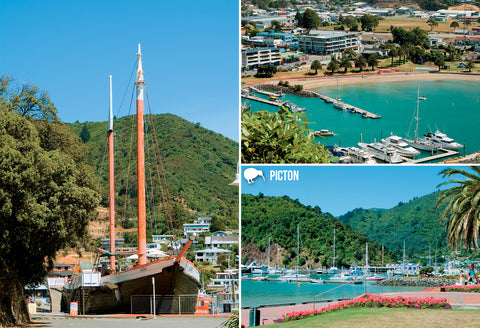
(263, 92)
(354, 109)
(444, 153)
(266, 101)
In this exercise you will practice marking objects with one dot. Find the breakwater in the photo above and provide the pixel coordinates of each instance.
(276, 88)
(417, 281)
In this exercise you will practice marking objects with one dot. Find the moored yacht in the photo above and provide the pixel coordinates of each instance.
(359, 155)
(382, 152)
(441, 140)
(400, 146)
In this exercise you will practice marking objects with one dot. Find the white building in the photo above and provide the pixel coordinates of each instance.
(252, 58)
(221, 241)
(201, 225)
(328, 42)
(210, 255)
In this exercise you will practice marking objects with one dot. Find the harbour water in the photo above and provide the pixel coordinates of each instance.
(255, 293)
(451, 106)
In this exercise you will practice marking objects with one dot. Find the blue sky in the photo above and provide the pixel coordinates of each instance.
(190, 56)
(339, 189)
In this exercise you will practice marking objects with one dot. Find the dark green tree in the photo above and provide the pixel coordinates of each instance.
(373, 61)
(369, 22)
(266, 71)
(333, 66)
(316, 65)
(360, 62)
(310, 19)
(345, 62)
(470, 65)
(454, 25)
(46, 202)
(85, 134)
(432, 23)
(299, 19)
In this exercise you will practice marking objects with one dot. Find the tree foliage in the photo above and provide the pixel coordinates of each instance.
(462, 213)
(310, 19)
(281, 137)
(277, 218)
(316, 65)
(416, 222)
(415, 37)
(369, 22)
(47, 196)
(266, 71)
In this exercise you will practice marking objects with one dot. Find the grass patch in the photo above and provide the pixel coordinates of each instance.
(389, 317)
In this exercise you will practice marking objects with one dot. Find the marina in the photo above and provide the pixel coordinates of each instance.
(452, 107)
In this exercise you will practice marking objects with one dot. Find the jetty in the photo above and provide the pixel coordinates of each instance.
(352, 108)
(443, 154)
(267, 93)
(265, 101)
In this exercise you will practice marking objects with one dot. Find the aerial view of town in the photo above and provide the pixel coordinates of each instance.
(377, 82)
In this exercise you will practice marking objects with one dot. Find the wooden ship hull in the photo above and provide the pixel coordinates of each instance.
(116, 292)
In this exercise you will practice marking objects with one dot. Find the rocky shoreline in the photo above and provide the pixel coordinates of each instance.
(275, 88)
(417, 281)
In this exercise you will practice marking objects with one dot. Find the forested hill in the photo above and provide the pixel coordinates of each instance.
(199, 165)
(416, 222)
(277, 218)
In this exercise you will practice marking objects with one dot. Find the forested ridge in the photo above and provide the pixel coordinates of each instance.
(416, 222)
(199, 164)
(277, 218)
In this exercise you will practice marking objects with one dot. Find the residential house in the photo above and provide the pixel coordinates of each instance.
(210, 255)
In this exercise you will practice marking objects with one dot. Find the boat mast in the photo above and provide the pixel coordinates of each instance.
(416, 118)
(298, 247)
(142, 233)
(333, 247)
(111, 182)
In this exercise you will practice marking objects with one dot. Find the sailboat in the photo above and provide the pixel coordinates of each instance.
(296, 277)
(333, 269)
(421, 143)
(172, 278)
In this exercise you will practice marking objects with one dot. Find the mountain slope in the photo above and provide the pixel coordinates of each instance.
(199, 164)
(416, 222)
(277, 218)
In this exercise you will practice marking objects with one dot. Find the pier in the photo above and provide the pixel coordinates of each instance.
(444, 153)
(266, 101)
(354, 109)
(267, 93)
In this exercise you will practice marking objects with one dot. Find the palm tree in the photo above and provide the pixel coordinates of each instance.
(393, 53)
(373, 61)
(463, 206)
(316, 65)
(360, 62)
(345, 62)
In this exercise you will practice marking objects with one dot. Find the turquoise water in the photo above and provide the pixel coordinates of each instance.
(452, 106)
(255, 293)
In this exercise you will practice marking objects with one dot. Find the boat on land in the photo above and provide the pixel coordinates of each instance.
(175, 279)
(400, 146)
(382, 152)
(442, 140)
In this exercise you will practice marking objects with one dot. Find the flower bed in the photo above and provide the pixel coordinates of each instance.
(463, 289)
(373, 301)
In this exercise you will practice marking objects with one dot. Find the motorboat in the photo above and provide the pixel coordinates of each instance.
(319, 271)
(323, 132)
(382, 152)
(400, 146)
(360, 155)
(442, 140)
(316, 281)
(295, 277)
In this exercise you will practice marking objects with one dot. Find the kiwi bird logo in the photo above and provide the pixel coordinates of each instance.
(251, 173)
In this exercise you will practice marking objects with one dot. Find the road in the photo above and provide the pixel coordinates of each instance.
(58, 321)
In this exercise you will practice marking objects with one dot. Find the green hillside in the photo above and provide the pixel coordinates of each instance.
(199, 164)
(277, 218)
(416, 222)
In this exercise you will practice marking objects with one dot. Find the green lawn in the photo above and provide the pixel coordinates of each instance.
(388, 317)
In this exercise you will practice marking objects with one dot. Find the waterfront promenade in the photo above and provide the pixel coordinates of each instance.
(455, 299)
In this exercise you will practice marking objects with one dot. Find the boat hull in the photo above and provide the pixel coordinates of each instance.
(115, 293)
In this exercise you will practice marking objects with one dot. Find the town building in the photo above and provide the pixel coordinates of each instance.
(221, 241)
(328, 42)
(252, 58)
(200, 226)
(210, 255)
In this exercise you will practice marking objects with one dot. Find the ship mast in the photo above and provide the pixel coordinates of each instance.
(111, 182)
(142, 233)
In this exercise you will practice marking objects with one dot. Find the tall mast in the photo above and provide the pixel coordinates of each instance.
(142, 233)
(298, 244)
(334, 247)
(111, 182)
(417, 118)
